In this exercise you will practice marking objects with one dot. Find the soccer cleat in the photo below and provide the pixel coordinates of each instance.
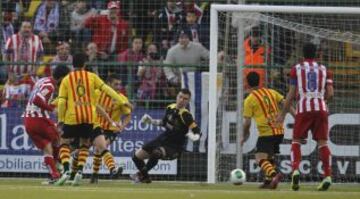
(94, 178)
(115, 173)
(77, 179)
(275, 181)
(64, 177)
(325, 184)
(135, 178)
(265, 184)
(295, 180)
(49, 181)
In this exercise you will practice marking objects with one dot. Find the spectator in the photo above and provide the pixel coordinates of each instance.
(63, 56)
(80, 34)
(133, 56)
(254, 49)
(151, 78)
(191, 6)
(109, 32)
(48, 24)
(14, 93)
(199, 33)
(93, 57)
(168, 20)
(185, 52)
(7, 30)
(23, 47)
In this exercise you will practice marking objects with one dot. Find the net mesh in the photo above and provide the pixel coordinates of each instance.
(280, 38)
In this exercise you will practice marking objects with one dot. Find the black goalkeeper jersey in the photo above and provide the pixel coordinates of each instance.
(177, 123)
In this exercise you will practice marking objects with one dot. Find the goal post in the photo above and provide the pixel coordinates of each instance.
(300, 28)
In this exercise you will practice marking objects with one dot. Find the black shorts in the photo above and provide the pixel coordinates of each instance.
(96, 132)
(269, 144)
(77, 131)
(110, 135)
(172, 151)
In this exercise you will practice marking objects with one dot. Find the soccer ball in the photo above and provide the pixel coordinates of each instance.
(237, 176)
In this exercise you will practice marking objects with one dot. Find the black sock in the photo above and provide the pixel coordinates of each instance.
(151, 163)
(140, 164)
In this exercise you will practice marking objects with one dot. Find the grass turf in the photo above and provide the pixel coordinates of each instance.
(32, 189)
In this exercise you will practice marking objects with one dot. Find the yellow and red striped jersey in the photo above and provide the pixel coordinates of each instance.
(77, 100)
(262, 105)
(114, 108)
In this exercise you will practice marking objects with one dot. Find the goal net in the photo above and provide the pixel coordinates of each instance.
(269, 40)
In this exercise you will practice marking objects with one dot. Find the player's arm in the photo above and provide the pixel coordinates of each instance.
(246, 129)
(103, 114)
(99, 84)
(329, 88)
(126, 110)
(63, 97)
(287, 103)
(189, 121)
(148, 119)
(41, 98)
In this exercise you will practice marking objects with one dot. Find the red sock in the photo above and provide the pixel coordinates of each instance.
(56, 153)
(325, 157)
(295, 155)
(50, 163)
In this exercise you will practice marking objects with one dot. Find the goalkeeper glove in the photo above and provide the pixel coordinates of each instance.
(193, 137)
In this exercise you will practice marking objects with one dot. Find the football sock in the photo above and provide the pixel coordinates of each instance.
(50, 163)
(64, 154)
(83, 154)
(140, 164)
(267, 167)
(150, 164)
(74, 162)
(295, 155)
(325, 157)
(108, 160)
(96, 163)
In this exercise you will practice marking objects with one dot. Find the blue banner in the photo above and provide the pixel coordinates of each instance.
(15, 141)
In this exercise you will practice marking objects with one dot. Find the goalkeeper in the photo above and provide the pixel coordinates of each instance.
(168, 145)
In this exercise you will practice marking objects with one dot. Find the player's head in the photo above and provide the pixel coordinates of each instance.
(253, 79)
(60, 72)
(309, 51)
(79, 60)
(183, 98)
(114, 82)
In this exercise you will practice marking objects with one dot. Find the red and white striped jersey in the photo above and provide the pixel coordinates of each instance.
(310, 79)
(43, 89)
(23, 50)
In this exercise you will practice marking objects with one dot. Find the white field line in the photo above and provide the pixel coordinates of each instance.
(161, 190)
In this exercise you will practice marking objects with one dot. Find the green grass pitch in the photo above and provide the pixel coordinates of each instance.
(32, 189)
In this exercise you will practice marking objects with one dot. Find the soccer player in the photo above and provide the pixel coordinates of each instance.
(262, 104)
(77, 114)
(115, 116)
(168, 145)
(314, 85)
(38, 125)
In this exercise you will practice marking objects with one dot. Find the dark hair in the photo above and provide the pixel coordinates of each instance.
(253, 79)
(136, 37)
(309, 51)
(111, 78)
(79, 60)
(60, 71)
(185, 91)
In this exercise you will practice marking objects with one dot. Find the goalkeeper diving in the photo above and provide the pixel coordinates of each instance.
(169, 144)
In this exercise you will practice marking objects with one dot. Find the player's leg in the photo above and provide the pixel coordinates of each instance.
(302, 125)
(100, 145)
(40, 133)
(321, 135)
(64, 155)
(82, 157)
(263, 147)
(96, 166)
(138, 159)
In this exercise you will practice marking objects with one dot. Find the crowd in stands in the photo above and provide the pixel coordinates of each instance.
(131, 43)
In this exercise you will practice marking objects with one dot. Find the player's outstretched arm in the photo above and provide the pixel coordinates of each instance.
(149, 120)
